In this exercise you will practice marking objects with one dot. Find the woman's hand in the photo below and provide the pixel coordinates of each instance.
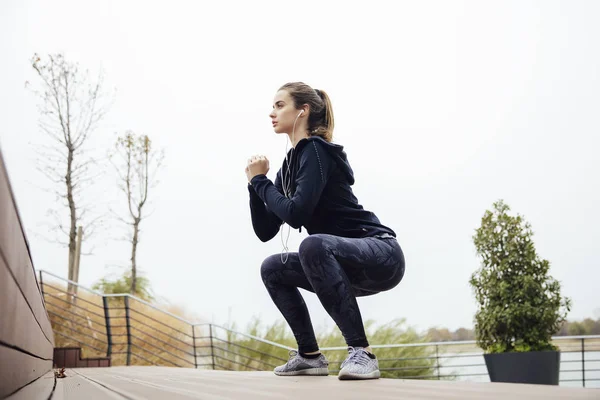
(257, 165)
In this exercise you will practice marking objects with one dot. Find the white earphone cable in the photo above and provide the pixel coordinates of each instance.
(287, 189)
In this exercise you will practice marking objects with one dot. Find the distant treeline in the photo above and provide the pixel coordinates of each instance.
(570, 328)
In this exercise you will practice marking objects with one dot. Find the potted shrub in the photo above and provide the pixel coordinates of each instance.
(519, 304)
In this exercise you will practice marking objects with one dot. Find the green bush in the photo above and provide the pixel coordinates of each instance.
(122, 285)
(394, 362)
(240, 353)
(519, 304)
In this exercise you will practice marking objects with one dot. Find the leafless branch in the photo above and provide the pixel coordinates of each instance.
(135, 165)
(69, 111)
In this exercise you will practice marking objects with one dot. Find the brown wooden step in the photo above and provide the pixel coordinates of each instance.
(70, 357)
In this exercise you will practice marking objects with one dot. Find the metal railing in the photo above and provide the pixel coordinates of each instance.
(131, 331)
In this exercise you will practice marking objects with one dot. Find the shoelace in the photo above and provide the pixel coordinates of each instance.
(292, 355)
(356, 357)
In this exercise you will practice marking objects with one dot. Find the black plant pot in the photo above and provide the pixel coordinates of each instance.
(534, 367)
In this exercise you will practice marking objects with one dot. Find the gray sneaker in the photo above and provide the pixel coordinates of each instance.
(359, 365)
(298, 365)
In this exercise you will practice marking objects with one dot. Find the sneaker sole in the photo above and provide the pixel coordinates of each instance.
(346, 376)
(310, 371)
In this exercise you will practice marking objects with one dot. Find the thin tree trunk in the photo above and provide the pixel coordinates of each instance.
(134, 242)
(69, 112)
(73, 219)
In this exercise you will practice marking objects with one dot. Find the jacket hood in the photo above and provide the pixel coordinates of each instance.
(335, 150)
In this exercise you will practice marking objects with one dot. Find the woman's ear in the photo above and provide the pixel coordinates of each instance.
(305, 109)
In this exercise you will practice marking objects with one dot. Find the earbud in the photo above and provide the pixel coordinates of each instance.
(300, 113)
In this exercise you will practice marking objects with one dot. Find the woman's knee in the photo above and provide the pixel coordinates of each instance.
(270, 265)
(313, 245)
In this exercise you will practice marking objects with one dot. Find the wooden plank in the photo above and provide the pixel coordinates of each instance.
(14, 250)
(186, 383)
(75, 387)
(18, 369)
(38, 390)
(151, 386)
(19, 327)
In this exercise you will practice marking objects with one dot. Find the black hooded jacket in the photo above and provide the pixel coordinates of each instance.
(320, 196)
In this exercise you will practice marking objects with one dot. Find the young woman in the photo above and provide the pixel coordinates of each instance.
(348, 252)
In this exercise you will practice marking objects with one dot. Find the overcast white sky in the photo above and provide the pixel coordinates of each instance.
(443, 108)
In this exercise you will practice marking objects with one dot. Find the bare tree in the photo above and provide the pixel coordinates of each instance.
(137, 168)
(70, 109)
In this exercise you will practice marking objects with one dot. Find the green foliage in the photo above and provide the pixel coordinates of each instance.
(252, 354)
(394, 362)
(519, 305)
(122, 285)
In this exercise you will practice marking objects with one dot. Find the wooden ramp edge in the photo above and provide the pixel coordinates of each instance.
(26, 336)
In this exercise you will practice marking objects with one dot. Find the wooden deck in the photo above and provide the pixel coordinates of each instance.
(181, 383)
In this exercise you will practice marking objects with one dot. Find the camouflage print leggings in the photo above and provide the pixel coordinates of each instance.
(338, 270)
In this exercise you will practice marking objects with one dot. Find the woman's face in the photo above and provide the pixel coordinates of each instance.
(284, 113)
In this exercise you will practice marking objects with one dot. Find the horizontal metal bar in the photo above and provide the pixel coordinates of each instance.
(426, 367)
(72, 295)
(165, 351)
(43, 271)
(466, 355)
(247, 357)
(80, 342)
(420, 377)
(71, 312)
(235, 362)
(119, 343)
(156, 347)
(162, 341)
(143, 358)
(251, 349)
(76, 323)
(155, 355)
(220, 366)
(149, 305)
(156, 329)
(80, 333)
(456, 375)
(143, 323)
(159, 331)
(73, 305)
(281, 346)
(147, 326)
(408, 358)
(461, 366)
